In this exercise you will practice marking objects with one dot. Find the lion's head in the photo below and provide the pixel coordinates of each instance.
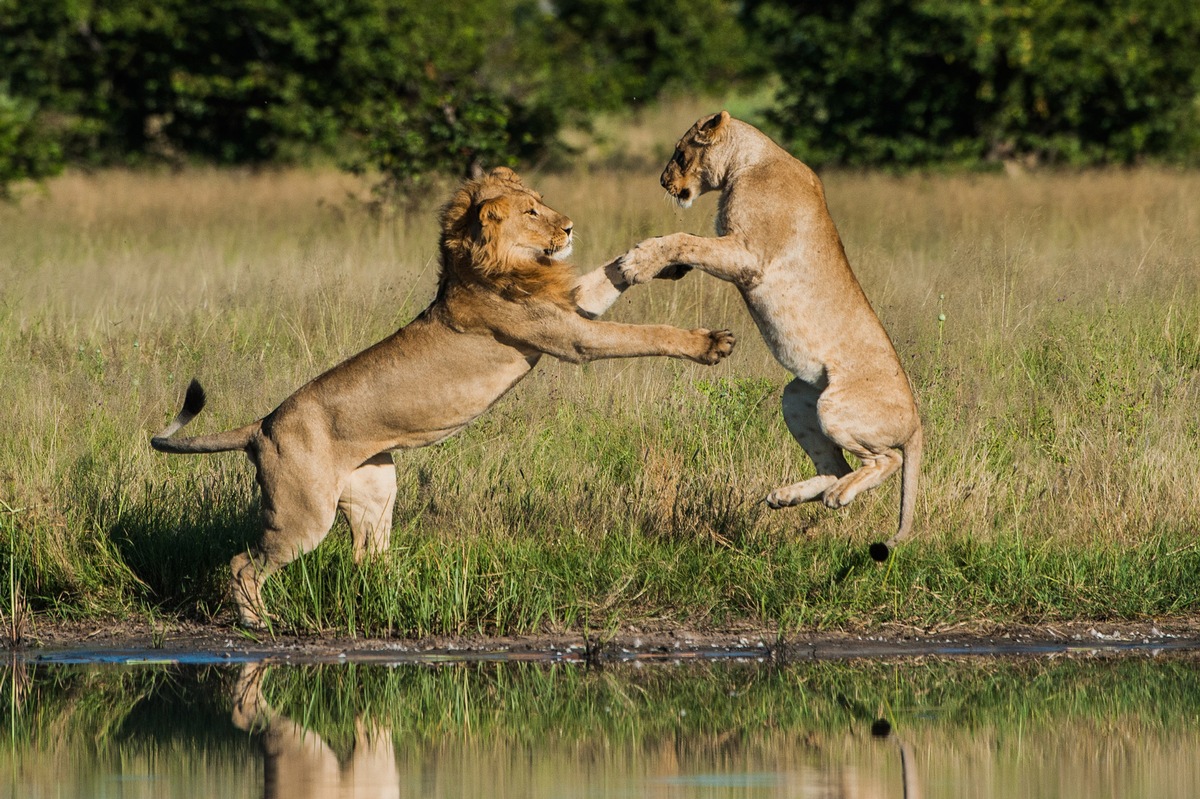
(497, 231)
(690, 172)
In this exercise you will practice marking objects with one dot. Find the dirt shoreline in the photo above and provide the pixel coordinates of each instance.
(126, 641)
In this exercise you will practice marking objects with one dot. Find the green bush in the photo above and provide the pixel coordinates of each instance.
(25, 153)
(616, 54)
(253, 81)
(907, 83)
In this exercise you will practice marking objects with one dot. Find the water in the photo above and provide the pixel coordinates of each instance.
(1067, 725)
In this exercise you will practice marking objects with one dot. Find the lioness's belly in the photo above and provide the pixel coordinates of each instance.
(822, 338)
(789, 333)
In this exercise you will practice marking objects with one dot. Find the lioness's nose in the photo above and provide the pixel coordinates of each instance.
(567, 228)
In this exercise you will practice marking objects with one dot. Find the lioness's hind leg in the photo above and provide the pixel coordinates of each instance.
(876, 467)
(800, 416)
(367, 500)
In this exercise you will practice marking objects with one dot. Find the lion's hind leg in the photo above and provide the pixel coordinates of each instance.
(299, 503)
(367, 500)
(800, 416)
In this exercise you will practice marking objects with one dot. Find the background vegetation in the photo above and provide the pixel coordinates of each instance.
(406, 90)
(1051, 325)
(916, 83)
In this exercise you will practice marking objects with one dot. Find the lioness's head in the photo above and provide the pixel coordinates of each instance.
(495, 229)
(693, 169)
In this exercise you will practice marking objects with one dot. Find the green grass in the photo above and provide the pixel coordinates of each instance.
(1050, 325)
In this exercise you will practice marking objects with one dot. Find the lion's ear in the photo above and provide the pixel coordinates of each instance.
(493, 211)
(712, 127)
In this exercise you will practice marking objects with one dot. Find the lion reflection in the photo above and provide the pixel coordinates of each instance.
(298, 761)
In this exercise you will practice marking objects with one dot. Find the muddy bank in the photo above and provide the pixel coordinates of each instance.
(129, 642)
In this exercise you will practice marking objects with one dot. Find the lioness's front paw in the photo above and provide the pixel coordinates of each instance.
(641, 264)
(720, 344)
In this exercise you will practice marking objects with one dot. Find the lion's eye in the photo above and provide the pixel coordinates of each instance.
(532, 212)
(678, 159)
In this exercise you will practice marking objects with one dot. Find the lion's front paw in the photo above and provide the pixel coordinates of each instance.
(719, 345)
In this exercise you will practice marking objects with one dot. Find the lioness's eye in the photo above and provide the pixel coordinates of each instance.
(532, 212)
(678, 159)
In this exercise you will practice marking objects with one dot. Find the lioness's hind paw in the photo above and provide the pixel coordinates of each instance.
(775, 502)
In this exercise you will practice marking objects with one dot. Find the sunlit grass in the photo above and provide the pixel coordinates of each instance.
(1050, 324)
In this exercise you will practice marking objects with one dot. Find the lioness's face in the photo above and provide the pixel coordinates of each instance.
(685, 177)
(521, 221)
(681, 178)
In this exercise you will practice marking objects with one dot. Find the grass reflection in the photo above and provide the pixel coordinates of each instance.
(1040, 727)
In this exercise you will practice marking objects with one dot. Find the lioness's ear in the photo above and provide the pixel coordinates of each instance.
(712, 127)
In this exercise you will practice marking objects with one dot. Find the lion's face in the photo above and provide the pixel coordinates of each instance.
(497, 231)
(687, 174)
(518, 226)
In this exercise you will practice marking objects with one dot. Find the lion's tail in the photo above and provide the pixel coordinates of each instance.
(193, 403)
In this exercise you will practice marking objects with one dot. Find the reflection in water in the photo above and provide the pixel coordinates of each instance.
(1120, 727)
(299, 764)
(882, 728)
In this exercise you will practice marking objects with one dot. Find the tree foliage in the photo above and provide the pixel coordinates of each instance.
(907, 83)
(24, 153)
(625, 53)
(409, 89)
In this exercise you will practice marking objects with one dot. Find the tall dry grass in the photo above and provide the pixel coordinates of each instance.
(1050, 324)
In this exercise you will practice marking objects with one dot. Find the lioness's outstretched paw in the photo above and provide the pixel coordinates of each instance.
(641, 264)
(720, 344)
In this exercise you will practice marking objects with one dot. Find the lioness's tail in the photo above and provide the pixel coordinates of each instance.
(193, 403)
(909, 474)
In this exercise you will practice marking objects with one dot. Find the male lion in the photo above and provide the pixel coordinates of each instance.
(777, 243)
(504, 299)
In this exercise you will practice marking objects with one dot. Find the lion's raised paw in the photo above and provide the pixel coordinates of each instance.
(720, 345)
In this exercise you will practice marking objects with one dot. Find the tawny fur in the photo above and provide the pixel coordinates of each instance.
(504, 299)
(777, 243)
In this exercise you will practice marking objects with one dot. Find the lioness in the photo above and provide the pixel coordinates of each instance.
(504, 299)
(777, 243)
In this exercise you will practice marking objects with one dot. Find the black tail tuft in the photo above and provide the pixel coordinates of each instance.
(193, 401)
(880, 551)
